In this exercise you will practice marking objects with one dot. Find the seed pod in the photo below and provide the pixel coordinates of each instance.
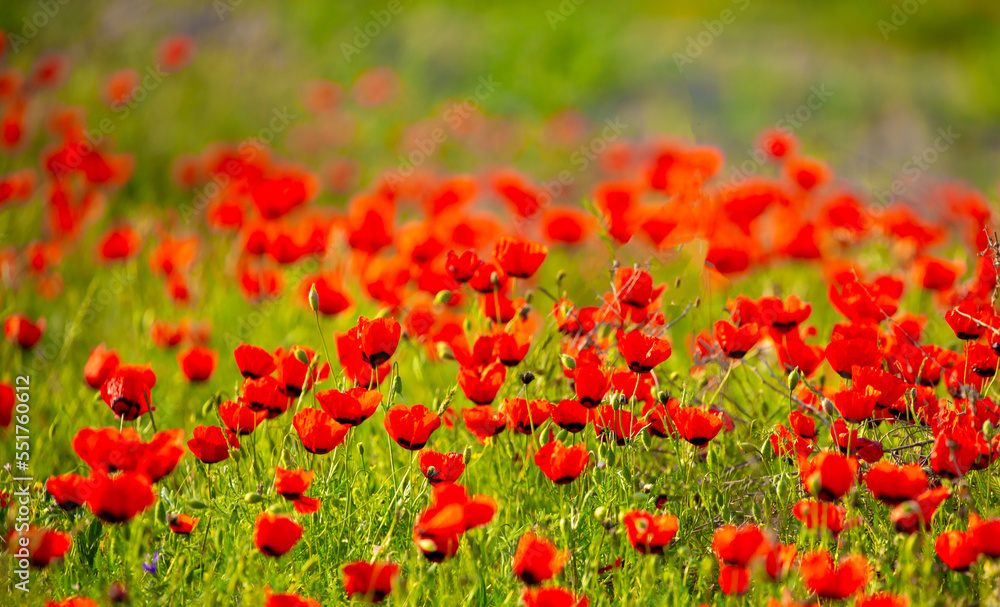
(253, 498)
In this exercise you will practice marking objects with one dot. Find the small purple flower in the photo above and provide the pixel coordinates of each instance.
(151, 567)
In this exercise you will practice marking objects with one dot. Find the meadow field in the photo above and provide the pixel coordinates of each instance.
(544, 304)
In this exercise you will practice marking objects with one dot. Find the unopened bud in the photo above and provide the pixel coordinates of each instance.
(793, 379)
(467, 455)
(382, 313)
(444, 351)
(253, 498)
(314, 298)
(568, 361)
(361, 449)
(527, 377)
(301, 356)
(442, 297)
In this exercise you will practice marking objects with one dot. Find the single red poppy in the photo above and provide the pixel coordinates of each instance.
(552, 596)
(696, 426)
(561, 464)
(331, 297)
(783, 316)
(318, 431)
(617, 425)
(779, 560)
(351, 407)
(128, 390)
(537, 559)
(462, 267)
(526, 416)
(570, 415)
(451, 513)
(733, 579)
(288, 600)
(240, 419)
(736, 342)
(8, 400)
(518, 257)
(211, 444)
(856, 406)
(370, 582)
(275, 534)
(182, 524)
(118, 243)
(957, 550)
(441, 467)
(378, 339)
(197, 363)
(649, 533)
(291, 484)
(828, 475)
(591, 383)
(100, 365)
(642, 352)
(73, 601)
(484, 422)
(512, 348)
(44, 546)
(986, 534)
(831, 580)
(411, 427)
(737, 545)
(916, 515)
(822, 515)
(482, 385)
(889, 387)
(253, 362)
(69, 490)
(294, 376)
(845, 354)
(19, 329)
(487, 279)
(117, 499)
(803, 425)
(892, 485)
(969, 320)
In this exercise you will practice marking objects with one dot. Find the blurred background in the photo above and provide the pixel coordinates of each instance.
(868, 85)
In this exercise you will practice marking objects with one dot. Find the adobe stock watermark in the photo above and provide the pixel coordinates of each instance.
(453, 117)
(22, 482)
(711, 30)
(901, 13)
(33, 25)
(921, 162)
(247, 150)
(364, 34)
(818, 97)
(224, 7)
(563, 11)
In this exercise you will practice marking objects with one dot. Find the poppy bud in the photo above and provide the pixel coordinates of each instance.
(560, 276)
(467, 325)
(442, 297)
(467, 455)
(494, 279)
(663, 397)
(527, 377)
(276, 508)
(988, 429)
(622, 399)
(397, 385)
(568, 361)
(196, 504)
(793, 379)
(444, 351)
(313, 298)
(236, 454)
(600, 512)
(301, 356)
(782, 486)
(253, 498)
(361, 449)
(382, 313)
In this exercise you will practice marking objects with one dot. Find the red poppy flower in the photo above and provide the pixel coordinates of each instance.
(854, 405)
(831, 580)
(986, 534)
(463, 266)
(957, 550)
(526, 415)
(378, 339)
(649, 533)
(981, 359)
(822, 515)
(537, 559)
(696, 426)
(411, 427)
(617, 425)
(291, 484)
(197, 363)
(779, 560)
(331, 297)
(733, 579)
(783, 316)
(253, 362)
(845, 354)
(487, 279)
(828, 475)
(294, 376)
(441, 467)
(737, 545)
(736, 342)
(484, 422)
(969, 320)
(794, 353)
(211, 444)
(561, 464)
(642, 352)
(69, 490)
(591, 383)
(264, 394)
(19, 329)
(318, 431)
(352, 407)
(881, 599)
(117, 499)
(371, 582)
(182, 524)
(892, 485)
(288, 600)
(482, 385)
(100, 365)
(803, 425)
(889, 387)
(118, 243)
(518, 257)
(240, 419)
(570, 415)
(174, 52)
(552, 596)
(73, 601)
(512, 348)
(916, 514)
(43, 545)
(275, 534)
(8, 399)
(128, 390)
(451, 513)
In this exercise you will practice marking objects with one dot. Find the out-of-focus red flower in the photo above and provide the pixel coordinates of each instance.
(892, 485)
(441, 467)
(524, 415)
(484, 422)
(642, 352)
(100, 365)
(956, 549)
(19, 329)
(537, 559)
(831, 580)
(828, 475)
(128, 390)
(275, 534)
(552, 596)
(119, 243)
(649, 533)
(737, 546)
(318, 431)
(182, 524)
(211, 444)
(519, 258)
(119, 498)
(197, 363)
(43, 545)
(370, 582)
(561, 464)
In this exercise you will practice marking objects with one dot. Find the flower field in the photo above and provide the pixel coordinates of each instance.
(348, 351)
